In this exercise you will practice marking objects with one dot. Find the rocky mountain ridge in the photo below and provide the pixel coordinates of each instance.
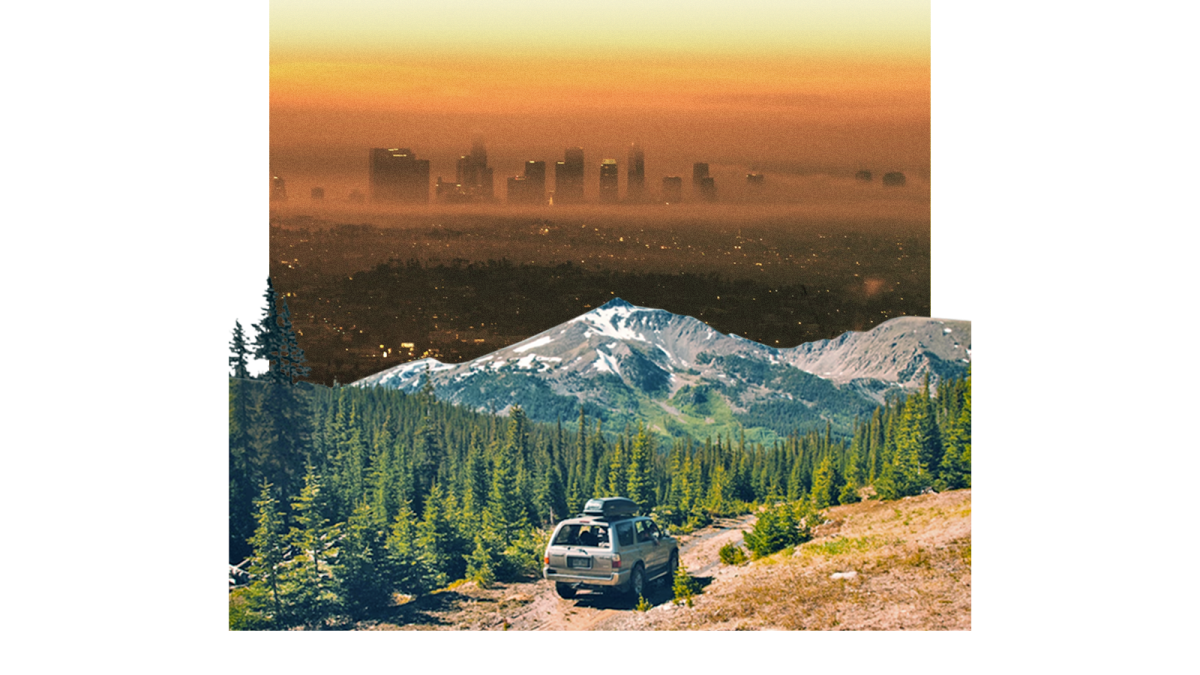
(621, 362)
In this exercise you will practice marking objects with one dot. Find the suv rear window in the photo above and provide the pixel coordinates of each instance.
(595, 535)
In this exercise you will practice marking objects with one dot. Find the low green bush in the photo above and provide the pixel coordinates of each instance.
(731, 554)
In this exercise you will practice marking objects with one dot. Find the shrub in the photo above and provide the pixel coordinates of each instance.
(242, 616)
(642, 605)
(732, 554)
(523, 557)
(776, 530)
(480, 565)
(685, 586)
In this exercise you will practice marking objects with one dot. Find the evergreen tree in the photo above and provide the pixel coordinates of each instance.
(928, 434)
(478, 480)
(313, 537)
(270, 343)
(481, 564)
(385, 498)
(822, 488)
(718, 489)
(641, 471)
(618, 478)
(361, 573)
(427, 458)
(849, 492)
(293, 366)
(409, 570)
(556, 496)
(505, 516)
(775, 530)
(439, 535)
(266, 565)
(238, 352)
(685, 587)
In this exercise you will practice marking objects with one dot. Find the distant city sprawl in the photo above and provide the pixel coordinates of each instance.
(456, 286)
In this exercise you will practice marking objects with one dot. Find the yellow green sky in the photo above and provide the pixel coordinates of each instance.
(782, 86)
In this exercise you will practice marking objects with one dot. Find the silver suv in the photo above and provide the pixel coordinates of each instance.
(609, 548)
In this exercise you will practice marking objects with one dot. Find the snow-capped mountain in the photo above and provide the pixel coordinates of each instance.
(623, 362)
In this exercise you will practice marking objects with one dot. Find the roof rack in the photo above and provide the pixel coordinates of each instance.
(610, 508)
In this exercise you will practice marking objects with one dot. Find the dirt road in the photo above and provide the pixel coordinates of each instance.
(598, 611)
(533, 605)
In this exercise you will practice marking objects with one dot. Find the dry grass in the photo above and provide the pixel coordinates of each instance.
(912, 560)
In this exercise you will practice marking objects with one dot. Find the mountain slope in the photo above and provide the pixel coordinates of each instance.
(623, 363)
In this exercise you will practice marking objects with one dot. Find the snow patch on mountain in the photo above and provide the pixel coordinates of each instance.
(606, 363)
(540, 342)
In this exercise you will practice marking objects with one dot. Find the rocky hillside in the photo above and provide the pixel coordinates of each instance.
(622, 363)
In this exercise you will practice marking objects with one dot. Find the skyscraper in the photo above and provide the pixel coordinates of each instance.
(635, 182)
(530, 188)
(396, 175)
(473, 174)
(608, 182)
(672, 191)
(708, 189)
(278, 189)
(535, 173)
(568, 178)
(518, 190)
(699, 173)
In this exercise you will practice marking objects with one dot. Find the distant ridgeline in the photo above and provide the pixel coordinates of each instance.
(340, 497)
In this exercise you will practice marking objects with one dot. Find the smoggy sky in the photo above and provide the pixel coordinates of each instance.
(795, 87)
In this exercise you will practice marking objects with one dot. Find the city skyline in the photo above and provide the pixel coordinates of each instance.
(803, 89)
(609, 182)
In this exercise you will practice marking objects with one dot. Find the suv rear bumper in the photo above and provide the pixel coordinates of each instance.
(619, 578)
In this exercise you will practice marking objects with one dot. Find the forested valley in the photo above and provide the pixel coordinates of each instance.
(341, 498)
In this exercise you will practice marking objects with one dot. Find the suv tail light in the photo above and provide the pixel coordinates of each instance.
(547, 559)
(616, 561)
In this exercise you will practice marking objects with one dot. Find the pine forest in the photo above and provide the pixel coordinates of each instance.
(342, 497)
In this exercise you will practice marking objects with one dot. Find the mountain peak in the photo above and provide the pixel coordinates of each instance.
(616, 303)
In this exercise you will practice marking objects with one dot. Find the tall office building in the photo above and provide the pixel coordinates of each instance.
(672, 191)
(568, 178)
(535, 173)
(396, 175)
(708, 189)
(699, 173)
(608, 182)
(317, 194)
(518, 190)
(474, 175)
(530, 188)
(635, 170)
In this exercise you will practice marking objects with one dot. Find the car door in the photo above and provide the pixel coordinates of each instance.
(648, 546)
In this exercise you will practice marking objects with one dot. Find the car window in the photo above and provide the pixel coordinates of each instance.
(583, 535)
(643, 530)
(625, 534)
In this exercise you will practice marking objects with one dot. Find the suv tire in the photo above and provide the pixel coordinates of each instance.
(637, 582)
(672, 565)
(566, 591)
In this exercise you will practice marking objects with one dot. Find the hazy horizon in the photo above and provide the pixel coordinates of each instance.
(805, 88)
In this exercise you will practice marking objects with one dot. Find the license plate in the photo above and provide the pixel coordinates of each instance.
(579, 563)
